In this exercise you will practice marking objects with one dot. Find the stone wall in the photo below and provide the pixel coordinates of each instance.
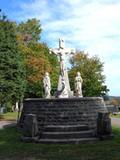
(67, 111)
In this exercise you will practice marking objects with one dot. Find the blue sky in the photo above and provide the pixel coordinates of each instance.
(89, 25)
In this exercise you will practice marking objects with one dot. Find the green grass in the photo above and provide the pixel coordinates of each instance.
(11, 148)
(9, 116)
(116, 116)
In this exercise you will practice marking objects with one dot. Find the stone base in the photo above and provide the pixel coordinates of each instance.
(71, 120)
(68, 141)
(105, 137)
(29, 139)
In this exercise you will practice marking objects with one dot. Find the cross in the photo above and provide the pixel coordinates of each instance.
(61, 52)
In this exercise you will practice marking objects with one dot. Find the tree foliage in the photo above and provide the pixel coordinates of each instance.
(38, 59)
(12, 68)
(29, 31)
(115, 102)
(91, 69)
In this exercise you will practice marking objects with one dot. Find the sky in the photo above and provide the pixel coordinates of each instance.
(92, 26)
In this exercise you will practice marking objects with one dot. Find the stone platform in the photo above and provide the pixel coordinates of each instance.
(68, 120)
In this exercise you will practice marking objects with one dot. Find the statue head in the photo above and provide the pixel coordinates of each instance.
(46, 74)
(78, 74)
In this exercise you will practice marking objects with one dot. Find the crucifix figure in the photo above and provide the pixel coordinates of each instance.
(63, 90)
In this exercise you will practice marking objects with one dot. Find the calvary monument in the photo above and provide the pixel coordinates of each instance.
(66, 118)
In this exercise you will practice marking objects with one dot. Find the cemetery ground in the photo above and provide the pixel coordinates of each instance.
(11, 148)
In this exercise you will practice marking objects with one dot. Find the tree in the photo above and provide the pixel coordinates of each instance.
(12, 68)
(29, 31)
(91, 71)
(37, 58)
(114, 102)
(38, 62)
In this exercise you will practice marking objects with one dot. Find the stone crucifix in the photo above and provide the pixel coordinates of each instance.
(63, 90)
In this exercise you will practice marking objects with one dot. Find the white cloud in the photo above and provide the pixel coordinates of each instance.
(112, 73)
(89, 25)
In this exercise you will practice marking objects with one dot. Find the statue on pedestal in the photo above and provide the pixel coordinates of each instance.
(63, 76)
(47, 85)
(78, 85)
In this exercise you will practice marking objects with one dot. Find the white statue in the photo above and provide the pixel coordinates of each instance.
(63, 93)
(61, 52)
(47, 85)
(78, 85)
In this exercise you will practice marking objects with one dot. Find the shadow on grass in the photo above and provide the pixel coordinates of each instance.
(13, 149)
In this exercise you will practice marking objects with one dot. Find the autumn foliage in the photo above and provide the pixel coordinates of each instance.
(37, 58)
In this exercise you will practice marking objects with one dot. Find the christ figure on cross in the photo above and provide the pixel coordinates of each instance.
(63, 90)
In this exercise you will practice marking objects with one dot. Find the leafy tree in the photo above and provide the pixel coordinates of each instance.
(91, 69)
(114, 102)
(37, 58)
(29, 31)
(12, 68)
(37, 64)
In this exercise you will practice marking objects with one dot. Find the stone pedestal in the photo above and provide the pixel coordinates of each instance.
(104, 128)
(30, 128)
(67, 120)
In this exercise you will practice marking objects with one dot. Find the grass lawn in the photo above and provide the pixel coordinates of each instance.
(116, 116)
(9, 116)
(11, 148)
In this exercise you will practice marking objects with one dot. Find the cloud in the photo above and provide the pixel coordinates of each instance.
(112, 73)
(88, 25)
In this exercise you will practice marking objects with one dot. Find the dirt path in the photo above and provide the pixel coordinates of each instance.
(115, 121)
(4, 124)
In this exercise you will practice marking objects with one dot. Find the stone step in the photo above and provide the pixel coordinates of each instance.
(61, 119)
(68, 141)
(67, 135)
(42, 124)
(47, 123)
(61, 116)
(65, 128)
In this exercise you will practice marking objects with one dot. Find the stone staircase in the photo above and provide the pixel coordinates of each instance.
(66, 134)
(64, 120)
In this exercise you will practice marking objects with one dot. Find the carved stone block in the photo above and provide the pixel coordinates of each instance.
(30, 127)
(103, 124)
